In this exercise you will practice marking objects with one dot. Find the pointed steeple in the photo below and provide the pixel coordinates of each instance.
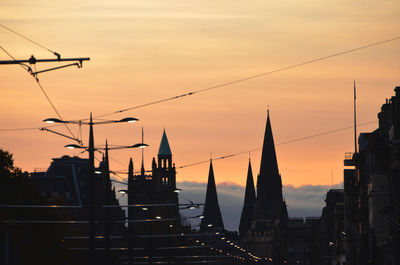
(107, 175)
(248, 205)
(164, 149)
(164, 153)
(130, 169)
(269, 183)
(142, 167)
(212, 213)
(92, 177)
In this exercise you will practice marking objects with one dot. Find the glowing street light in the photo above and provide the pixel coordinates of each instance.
(55, 120)
(76, 146)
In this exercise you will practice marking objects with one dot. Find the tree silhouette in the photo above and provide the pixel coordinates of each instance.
(26, 243)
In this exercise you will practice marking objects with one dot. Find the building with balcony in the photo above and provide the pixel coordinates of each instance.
(371, 197)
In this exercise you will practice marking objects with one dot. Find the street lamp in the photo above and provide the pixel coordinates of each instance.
(91, 179)
(127, 119)
(76, 146)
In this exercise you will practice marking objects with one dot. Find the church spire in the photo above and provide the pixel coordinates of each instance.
(164, 149)
(142, 168)
(212, 213)
(269, 183)
(130, 169)
(106, 173)
(164, 153)
(248, 205)
(269, 202)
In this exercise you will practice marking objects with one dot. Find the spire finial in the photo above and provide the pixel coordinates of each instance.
(268, 110)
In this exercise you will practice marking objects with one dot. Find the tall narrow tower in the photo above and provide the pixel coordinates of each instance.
(165, 177)
(212, 213)
(248, 206)
(270, 203)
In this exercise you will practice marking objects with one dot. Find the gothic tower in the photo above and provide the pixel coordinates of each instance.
(212, 213)
(270, 204)
(248, 206)
(164, 173)
(267, 235)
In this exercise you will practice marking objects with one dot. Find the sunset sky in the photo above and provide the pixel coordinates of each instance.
(144, 51)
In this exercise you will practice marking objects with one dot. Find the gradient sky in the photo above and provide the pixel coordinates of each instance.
(143, 51)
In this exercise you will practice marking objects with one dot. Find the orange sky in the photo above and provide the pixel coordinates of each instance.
(143, 51)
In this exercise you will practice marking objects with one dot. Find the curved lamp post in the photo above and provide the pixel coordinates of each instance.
(55, 120)
(91, 149)
(76, 146)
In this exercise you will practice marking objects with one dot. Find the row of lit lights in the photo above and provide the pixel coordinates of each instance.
(241, 249)
(255, 258)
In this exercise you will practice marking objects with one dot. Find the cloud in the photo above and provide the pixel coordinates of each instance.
(302, 201)
(306, 200)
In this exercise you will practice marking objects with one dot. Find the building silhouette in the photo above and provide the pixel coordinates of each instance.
(266, 234)
(265, 226)
(247, 216)
(330, 238)
(156, 187)
(66, 183)
(371, 192)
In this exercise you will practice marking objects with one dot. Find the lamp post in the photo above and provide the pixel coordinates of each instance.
(91, 178)
(75, 146)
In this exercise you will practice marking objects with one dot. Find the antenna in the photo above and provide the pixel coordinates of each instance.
(355, 119)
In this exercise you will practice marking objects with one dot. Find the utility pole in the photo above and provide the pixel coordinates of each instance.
(91, 204)
(355, 119)
(32, 61)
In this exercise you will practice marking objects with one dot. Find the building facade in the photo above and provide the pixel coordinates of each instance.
(371, 198)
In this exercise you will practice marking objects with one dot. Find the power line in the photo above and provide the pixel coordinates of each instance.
(282, 143)
(25, 67)
(54, 108)
(28, 39)
(28, 128)
(258, 149)
(29, 70)
(254, 76)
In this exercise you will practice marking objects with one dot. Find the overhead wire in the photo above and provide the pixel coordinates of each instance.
(282, 143)
(258, 149)
(24, 66)
(28, 39)
(28, 128)
(54, 108)
(206, 89)
(29, 70)
(252, 76)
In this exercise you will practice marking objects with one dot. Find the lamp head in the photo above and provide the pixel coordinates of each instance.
(140, 145)
(53, 120)
(74, 146)
(128, 119)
